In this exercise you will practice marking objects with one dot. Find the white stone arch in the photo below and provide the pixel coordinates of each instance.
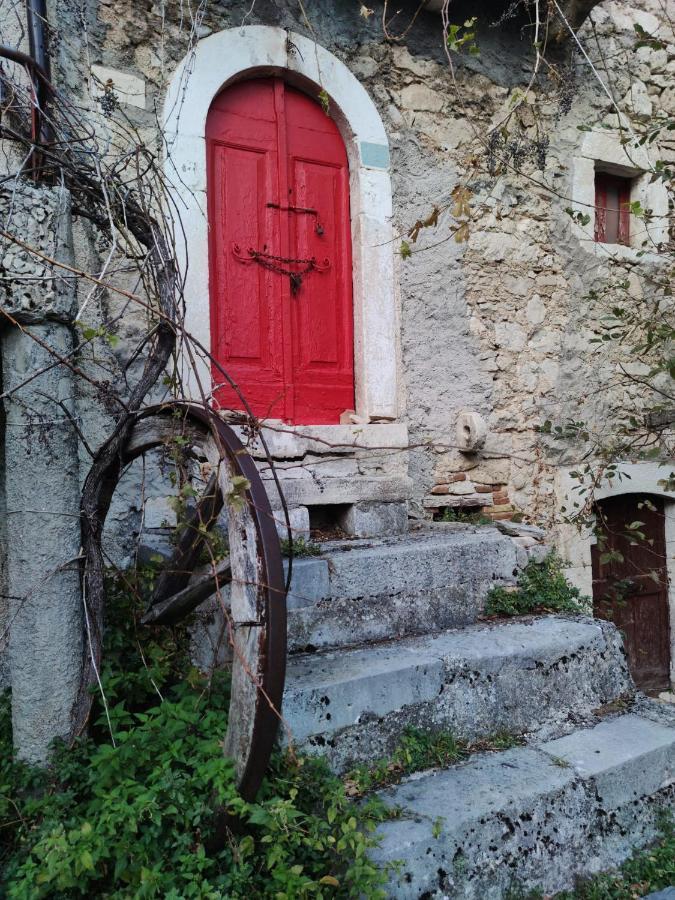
(575, 545)
(257, 50)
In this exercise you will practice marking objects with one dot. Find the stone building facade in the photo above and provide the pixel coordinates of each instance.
(467, 345)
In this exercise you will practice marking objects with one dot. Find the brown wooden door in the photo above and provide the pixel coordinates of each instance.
(630, 583)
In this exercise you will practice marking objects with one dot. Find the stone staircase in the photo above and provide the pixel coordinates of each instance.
(535, 817)
(386, 634)
(422, 582)
(521, 676)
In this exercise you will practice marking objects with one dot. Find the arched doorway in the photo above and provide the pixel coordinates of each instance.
(280, 253)
(630, 582)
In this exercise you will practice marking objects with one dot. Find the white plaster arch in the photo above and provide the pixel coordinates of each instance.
(255, 50)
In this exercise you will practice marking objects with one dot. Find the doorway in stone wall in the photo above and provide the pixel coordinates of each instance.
(630, 582)
(280, 254)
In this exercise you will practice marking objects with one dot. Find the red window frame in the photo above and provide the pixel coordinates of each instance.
(612, 208)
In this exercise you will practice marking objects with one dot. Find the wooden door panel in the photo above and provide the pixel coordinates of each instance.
(651, 633)
(632, 591)
(246, 325)
(250, 101)
(318, 308)
(323, 325)
(243, 327)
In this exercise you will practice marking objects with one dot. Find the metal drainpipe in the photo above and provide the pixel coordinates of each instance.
(36, 17)
(36, 20)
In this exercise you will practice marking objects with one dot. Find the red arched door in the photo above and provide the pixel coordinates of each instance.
(280, 254)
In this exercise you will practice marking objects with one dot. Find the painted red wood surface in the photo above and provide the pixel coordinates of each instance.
(278, 184)
(612, 209)
(632, 592)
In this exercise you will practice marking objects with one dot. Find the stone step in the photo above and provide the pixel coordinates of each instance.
(372, 590)
(531, 818)
(519, 675)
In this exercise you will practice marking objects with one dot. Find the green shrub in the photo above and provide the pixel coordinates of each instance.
(465, 516)
(542, 587)
(134, 818)
(300, 548)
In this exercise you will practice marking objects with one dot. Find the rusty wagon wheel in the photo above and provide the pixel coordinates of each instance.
(257, 615)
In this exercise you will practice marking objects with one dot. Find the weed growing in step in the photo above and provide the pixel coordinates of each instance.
(419, 750)
(644, 873)
(542, 587)
(134, 817)
(465, 516)
(301, 548)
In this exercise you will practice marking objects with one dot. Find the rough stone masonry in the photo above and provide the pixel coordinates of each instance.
(498, 324)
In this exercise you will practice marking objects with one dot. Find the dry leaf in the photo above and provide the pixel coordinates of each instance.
(462, 233)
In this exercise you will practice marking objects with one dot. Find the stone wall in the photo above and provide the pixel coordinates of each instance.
(499, 323)
(40, 552)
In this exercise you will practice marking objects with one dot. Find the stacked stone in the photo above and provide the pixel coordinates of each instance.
(458, 491)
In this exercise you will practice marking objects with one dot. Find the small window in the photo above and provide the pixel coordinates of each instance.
(612, 208)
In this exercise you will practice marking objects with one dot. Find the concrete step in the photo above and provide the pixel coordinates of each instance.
(531, 818)
(520, 675)
(371, 590)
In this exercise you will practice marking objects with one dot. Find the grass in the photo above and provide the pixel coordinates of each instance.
(465, 516)
(300, 547)
(419, 750)
(644, 873)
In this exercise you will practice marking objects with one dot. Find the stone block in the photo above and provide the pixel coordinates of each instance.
(467, 501)
(403, 586)
(299, 520)
(33, 290)
(375, 519)
(310, 582)
(627, 758)
(129, 89)
(516, 676)
(356, 685)
(309, 492)
(421, 97)
(521, 820)
(461, 487)
(158, 513)
(522, 529)
(423, 563)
